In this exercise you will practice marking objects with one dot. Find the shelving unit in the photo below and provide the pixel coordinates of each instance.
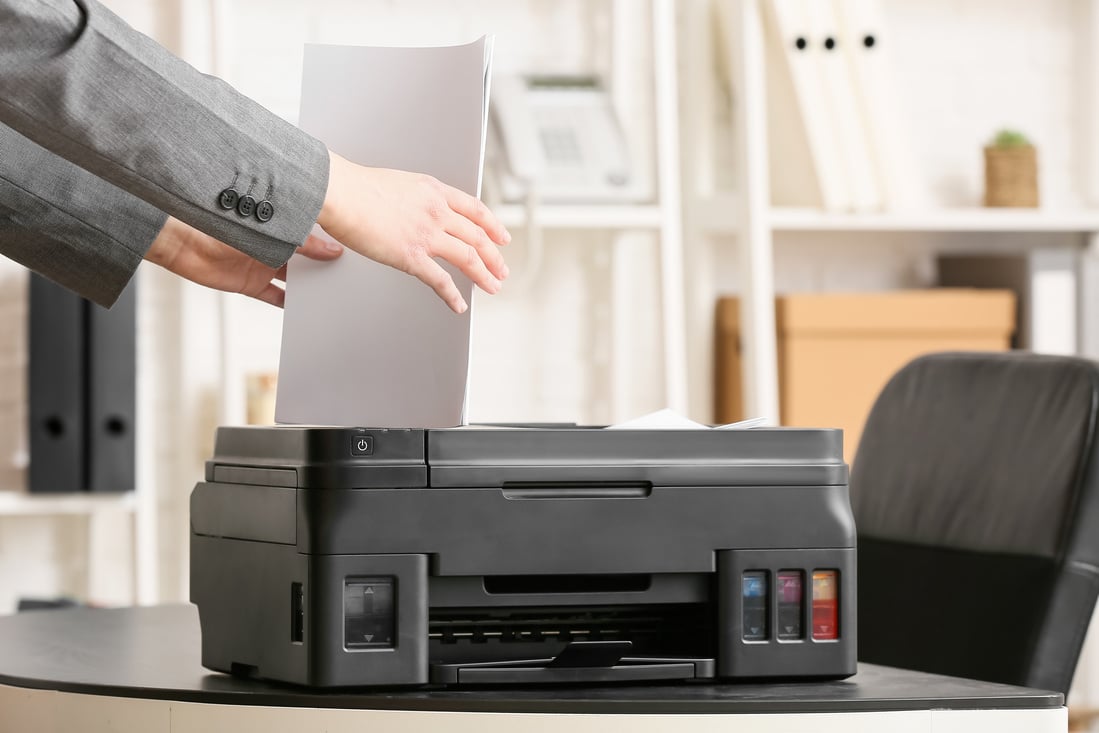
(944, 220)
(20, 503)
(136, 505)
(713, 214)
(748, 215)
(585, 216)
(16, 504)
(136, 580)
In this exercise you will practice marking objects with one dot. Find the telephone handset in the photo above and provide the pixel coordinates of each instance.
(558, 138)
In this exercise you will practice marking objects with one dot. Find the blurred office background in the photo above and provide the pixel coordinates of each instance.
(847, 186)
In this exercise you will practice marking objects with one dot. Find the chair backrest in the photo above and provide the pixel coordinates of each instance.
(976, 498)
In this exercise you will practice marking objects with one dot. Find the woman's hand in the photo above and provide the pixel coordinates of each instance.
(406, 220)
(202, 259)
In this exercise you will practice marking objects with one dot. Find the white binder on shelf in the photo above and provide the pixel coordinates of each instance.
(794, 181)
(827, 53)
(789, 31)
(866, 45)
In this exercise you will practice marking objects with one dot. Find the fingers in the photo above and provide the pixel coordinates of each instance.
(467, 259)
(466, 231)
(474, 210)
(434, 276)
(271, 294)
(319, 248)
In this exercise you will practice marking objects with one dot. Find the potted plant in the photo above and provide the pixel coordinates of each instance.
(1011, 170)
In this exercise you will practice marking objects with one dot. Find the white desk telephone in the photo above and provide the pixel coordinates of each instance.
(559, 139)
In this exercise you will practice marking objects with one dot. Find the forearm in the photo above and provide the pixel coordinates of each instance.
(80, 82)
(68, 225)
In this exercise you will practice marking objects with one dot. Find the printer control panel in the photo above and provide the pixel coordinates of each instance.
(369, 613)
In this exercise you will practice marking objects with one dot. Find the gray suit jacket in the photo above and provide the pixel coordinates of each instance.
(103, 132)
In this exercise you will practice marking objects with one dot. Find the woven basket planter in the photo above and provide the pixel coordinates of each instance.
(1011, 176)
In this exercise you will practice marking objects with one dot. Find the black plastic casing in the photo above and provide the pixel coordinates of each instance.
(522, 555)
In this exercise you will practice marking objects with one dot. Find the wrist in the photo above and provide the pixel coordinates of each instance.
(167, 244)
(329, 205)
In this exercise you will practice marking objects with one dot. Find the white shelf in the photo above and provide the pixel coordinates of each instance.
(942, 220)
(716, 214)
(20, 503)
(585, 216)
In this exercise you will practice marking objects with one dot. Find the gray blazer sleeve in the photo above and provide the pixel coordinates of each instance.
(81, 83)
(63, 222)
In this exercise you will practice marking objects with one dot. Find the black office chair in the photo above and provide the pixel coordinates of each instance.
(976, 499)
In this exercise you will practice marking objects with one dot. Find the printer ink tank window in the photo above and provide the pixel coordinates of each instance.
(791, 604)
(825, 605)
(754, 606)
(369, 613)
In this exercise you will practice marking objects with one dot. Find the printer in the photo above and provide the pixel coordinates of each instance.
(331, 556)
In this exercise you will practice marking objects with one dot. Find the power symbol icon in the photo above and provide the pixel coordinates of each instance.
(362, 445)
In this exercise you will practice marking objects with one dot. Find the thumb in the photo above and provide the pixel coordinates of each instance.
(320, 248)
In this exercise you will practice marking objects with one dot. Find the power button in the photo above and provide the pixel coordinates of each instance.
(362, 445)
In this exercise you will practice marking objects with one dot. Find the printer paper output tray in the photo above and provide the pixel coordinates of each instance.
(352, 556)
(592, 664)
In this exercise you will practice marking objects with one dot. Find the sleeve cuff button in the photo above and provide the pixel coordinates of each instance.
(265, 210)
(246, 205)
(228, 198)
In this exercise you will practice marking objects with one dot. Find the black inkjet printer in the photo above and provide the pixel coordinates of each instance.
(341, 556)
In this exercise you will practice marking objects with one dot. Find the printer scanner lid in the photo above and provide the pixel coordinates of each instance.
(515, 457)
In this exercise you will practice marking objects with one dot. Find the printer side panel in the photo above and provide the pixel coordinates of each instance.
(231, 575)
(271, 611)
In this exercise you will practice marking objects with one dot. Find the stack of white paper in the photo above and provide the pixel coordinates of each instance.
(364, 344)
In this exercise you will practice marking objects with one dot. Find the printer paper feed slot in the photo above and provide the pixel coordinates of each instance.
(576, 635)
(558, 584)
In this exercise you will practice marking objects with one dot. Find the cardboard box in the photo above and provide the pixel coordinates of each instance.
(728, 373)
(836, 351)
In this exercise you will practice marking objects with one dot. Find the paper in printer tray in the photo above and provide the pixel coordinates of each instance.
(345, 556)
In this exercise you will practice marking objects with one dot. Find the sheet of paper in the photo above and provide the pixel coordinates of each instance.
(364, 344)
(660, 420)
(671, 420)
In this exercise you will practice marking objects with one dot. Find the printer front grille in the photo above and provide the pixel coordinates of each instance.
(683, 627)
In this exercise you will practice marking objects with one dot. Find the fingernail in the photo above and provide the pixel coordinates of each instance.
(507, 237)
(496, 285)
(462, 307)
(333, 246)
(504, 270)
